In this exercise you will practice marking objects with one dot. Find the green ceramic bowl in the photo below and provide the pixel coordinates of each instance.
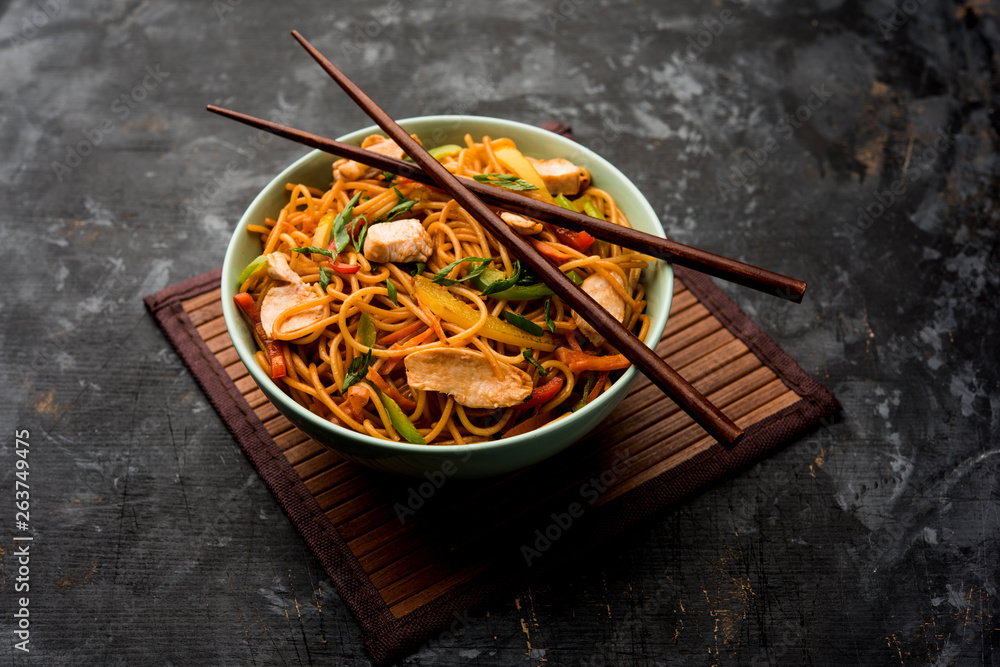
(465, 461)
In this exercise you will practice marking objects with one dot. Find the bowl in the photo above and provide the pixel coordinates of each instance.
(460, 461)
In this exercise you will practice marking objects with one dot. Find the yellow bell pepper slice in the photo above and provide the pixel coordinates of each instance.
(322, 236)
(444, 304)
(513, 160)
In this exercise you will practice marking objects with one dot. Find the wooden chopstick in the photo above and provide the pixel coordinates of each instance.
(709, 263)
(713, 420)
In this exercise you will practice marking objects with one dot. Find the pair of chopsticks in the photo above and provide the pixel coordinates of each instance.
(713, 420)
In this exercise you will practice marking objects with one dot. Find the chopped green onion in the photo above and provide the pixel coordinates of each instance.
(318, 251)
(402, 206)
(324, 278)
(340, 235)
(522, 323)
(359, 241)
(440, 279)
(508, 181)
(548, 319)
(418, 269)
(530, 358)
(505, 283)
(392, 291)
(357, 370)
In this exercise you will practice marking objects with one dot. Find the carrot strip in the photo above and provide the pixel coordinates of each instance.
(391, 391)
(391, 364)
(579, 362)
(400, 334)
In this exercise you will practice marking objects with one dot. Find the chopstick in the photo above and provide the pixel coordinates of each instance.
(713, 420)
(709, 263)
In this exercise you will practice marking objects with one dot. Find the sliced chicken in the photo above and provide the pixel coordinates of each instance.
(562, 177)
(398, 241)
(278, 269)
(520, 224)
(604, 294)
(290, 291)
(468, 376)
(351, 170)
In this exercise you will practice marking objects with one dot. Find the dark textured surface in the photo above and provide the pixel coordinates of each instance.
(875, 540)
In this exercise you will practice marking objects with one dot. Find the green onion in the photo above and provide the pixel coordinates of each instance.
(440, 279)
(504, 283)
(340, 235)
(548, 320)
(392, 291)
(508, 181)
(357, 370)
(522, 323)
(318, 251)
(324, 278)
(530, 358)
(402, 206)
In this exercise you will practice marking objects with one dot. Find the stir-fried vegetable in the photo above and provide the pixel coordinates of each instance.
(443, 304)
(275, 355)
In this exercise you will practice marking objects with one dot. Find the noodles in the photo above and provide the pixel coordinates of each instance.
(446, 339)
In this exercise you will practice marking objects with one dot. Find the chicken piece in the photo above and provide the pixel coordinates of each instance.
(520, 224)
(398, 241)
(278, 269)
(468, 376)
(290, 291)
(562, 177)
(351, 170)
(607, 297)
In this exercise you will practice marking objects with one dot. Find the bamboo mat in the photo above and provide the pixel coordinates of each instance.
(410, 554)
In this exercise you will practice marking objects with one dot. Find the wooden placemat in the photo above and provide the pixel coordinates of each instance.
(409, 555)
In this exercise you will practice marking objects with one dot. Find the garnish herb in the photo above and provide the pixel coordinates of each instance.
(548, 319)
(418, 269)
(357, 370)
(359, 241)
(522, 323)
(505, 283)
(508, 181)
(324, 278)
(587, 388)
(402, 206)
(388, 177)
(318, 251)
(530, 358)
(340, 235)
(440, 279)
(392, 291)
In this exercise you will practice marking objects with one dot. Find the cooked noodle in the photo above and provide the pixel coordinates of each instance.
(319, 348)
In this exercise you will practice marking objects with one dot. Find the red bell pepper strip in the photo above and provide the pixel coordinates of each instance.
(579, 241)
(342, 267)
(549, 252)
(579, 362)
(541, 394)
(270, 346)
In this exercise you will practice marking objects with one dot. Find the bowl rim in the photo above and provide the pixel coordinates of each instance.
(232, 318)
